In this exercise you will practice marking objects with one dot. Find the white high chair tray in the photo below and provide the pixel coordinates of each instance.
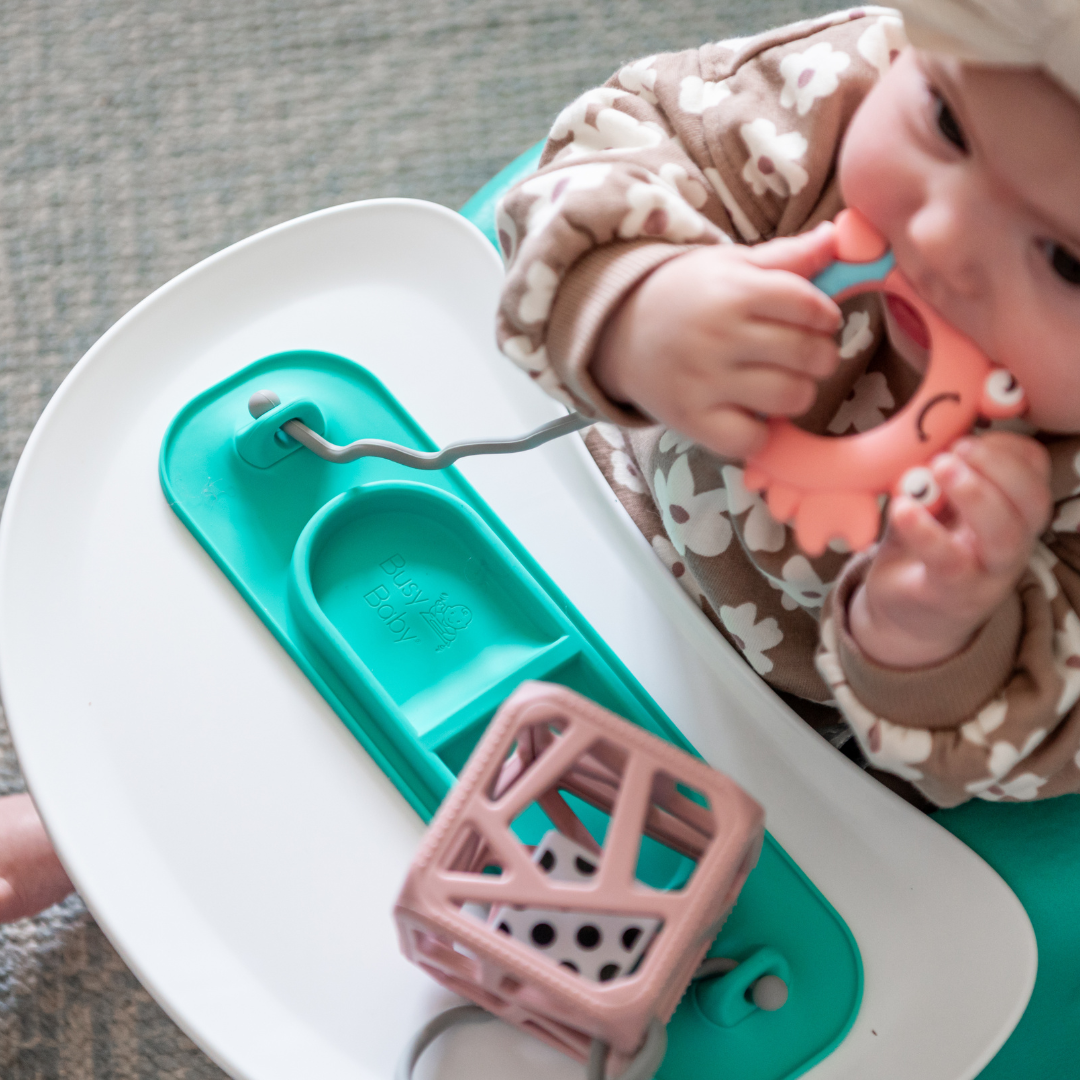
(235, 842)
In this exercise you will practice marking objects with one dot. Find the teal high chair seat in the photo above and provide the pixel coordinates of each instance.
(1033, 846)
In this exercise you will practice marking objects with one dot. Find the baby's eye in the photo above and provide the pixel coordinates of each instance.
(1065, 264)
(947, 124)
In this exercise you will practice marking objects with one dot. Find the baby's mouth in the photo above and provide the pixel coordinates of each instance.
(908, 320)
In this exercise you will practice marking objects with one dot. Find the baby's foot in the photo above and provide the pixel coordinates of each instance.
(31, 877)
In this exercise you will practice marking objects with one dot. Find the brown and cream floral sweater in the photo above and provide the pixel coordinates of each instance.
(736, 142)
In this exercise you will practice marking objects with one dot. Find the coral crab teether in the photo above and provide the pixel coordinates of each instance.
(830, 488)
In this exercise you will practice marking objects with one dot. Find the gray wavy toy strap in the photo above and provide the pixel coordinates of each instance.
(262, 401)
(643, 1067)
(769, 993)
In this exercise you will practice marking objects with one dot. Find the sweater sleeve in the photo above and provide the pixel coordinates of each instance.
(733, 142)
(1001, 719)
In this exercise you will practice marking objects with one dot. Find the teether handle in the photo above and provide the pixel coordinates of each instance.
(857, 241)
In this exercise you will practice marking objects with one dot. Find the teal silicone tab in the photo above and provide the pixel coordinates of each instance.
(262, 443)
(414, 611)
(840, 276)
(725, 1000)
(480, 209)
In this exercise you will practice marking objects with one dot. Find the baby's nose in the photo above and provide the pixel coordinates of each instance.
(950, 245)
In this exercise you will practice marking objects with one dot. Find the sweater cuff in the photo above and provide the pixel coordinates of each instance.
(588, 296)
(944, 695)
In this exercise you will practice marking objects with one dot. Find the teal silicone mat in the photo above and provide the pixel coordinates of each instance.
(415, 612)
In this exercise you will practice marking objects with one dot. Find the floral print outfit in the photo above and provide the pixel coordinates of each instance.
(736, 142)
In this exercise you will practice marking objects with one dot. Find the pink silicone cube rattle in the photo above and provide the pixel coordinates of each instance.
(830, 488)
(563, 940)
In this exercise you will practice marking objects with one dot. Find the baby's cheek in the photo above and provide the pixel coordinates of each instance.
(1039, 345)
(878, 167)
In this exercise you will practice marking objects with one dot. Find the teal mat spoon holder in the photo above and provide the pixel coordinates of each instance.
(414, 612)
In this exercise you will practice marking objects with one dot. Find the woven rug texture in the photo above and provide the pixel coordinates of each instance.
(140, 136)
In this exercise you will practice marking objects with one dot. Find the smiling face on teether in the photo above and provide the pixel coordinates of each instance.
(969, 173)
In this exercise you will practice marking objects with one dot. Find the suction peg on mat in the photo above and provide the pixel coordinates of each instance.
(262, 401)
(769, 992)
(729, 991)
(264, 440)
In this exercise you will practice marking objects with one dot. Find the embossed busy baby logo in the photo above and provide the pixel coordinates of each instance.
(399, 596)
(446, 620)
(394, 607)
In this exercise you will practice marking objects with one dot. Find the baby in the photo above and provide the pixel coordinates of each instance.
(658, 267)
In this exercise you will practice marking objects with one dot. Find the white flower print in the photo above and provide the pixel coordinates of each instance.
(988, 719)
(856, 335)
(753, 638)
(670, 558)
(772, 163)
(801, 585)
(692, 521)
(865, 405)
(696, 95)
(761, 531)
(520, 350)
(536, 301)
(1076, 470)
(548, 381)
(739, 219)
(1042, 564)
(811, 75)
(1067, 661)
(827, 660)
(1068, 517)
(680, 181)
(552, 188)
(656, 210)
(896, 748)
(624, 471)
(1003, 758)
(640, 78)
(611, 434)
(883, 42)
(886, 745)
(506, 228)
(610, 129)
(1023, 788)
(671, 439)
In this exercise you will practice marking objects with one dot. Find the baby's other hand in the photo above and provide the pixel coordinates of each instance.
(722, 336)
(935, 580)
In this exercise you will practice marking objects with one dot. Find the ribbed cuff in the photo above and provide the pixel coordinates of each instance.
(589, 295)
(944, 695)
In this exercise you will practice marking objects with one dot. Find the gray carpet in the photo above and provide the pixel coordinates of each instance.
(139, 136)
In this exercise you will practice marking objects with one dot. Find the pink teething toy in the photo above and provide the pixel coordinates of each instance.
(831, 487)
(497, 921)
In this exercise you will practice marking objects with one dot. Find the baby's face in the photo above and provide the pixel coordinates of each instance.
(973, 175)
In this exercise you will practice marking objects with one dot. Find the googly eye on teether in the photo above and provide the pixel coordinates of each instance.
(919, 484)
(1002, 389)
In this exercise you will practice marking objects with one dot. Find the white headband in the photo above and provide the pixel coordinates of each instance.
(1027, 33)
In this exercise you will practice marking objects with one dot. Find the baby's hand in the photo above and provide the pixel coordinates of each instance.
(31, 877)
(717, 338)
(935, 580)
